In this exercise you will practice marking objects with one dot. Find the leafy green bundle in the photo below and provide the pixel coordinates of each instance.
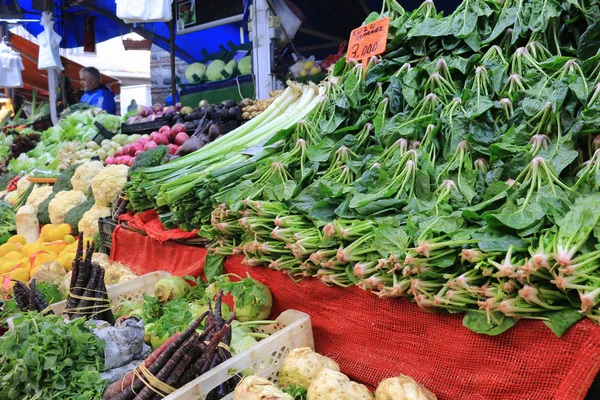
(460, 170)
(46, 357)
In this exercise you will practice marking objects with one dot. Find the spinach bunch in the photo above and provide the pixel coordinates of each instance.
(46, 357)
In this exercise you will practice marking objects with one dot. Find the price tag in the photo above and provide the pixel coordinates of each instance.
(368, 40)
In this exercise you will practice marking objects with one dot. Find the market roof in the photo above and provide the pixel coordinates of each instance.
(328, 23)
(33, 78)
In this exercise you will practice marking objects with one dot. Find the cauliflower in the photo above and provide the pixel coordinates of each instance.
(62, 203)
(38, 195)
(89, 222)
(82, 179)
(108, 183)
(22, 185)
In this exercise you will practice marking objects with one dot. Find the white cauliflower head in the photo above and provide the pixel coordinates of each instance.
(108, 183)
(82, 179)
(38, 195)
(62, 203)
(89, 222)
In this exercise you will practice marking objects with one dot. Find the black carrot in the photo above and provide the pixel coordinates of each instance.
(203, 363)
(167, 369)
(75, 271)
(83, 306)
(129, 393)
(21, 294)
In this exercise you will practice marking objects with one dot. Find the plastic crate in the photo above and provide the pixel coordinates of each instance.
(106, 228)
(142, 128)
(131, 290)
(291, 330)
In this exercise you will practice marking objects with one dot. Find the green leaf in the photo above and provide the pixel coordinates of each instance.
(490, 240)
(517, 218)
(213, 267)
(589, 42)
(477, 321)
(389, 240)
(560, 321)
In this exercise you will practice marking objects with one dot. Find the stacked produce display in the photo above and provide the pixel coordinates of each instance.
(459, 170)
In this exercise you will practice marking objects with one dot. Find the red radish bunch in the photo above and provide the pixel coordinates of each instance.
(171, 137)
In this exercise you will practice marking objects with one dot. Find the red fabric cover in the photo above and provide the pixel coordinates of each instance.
(149, 222)
(373, 339)
(144, 254)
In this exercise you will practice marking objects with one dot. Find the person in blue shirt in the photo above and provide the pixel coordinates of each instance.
(96, 94)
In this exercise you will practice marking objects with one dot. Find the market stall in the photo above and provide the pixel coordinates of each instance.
(422, 224)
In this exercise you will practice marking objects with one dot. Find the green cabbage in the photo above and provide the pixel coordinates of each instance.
(230, 68)
(195, 72)
(245, 65)
(214, 71)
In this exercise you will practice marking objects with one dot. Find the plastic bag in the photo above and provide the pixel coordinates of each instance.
(49, 57)
(123, 343)
(132, 11)
(305, 67)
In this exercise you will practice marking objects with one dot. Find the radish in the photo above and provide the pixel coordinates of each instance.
(181, 138)
(127, 160)
(118, 160)
(150, 145)
(137, 153)
(135, 148)
(161, 139)
(125, 150)
(164, 130)
(143, 141)
(109, 161)
(178, 128)
(153, 135)
(173, 148)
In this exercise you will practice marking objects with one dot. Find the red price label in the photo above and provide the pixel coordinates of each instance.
(368, 40)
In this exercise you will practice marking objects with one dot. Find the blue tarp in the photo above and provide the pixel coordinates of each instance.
(107, 26)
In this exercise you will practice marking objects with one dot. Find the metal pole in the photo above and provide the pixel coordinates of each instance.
(262, 54)
(172, 53)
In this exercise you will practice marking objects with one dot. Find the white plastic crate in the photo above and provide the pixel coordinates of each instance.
(291, 330)
(133, 289)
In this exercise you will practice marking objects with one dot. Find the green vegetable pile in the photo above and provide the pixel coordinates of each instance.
(7, 219)
(461, 170)
(46, 357)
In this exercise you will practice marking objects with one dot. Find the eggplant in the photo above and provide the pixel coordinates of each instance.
(229, 103)
(179, 121)
(209, 110)
(189, 117)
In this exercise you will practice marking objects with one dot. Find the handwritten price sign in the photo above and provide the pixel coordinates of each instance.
(368, 40)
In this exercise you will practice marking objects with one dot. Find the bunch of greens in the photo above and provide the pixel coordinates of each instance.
(7, 219)
(461, 170)
(46, 357)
